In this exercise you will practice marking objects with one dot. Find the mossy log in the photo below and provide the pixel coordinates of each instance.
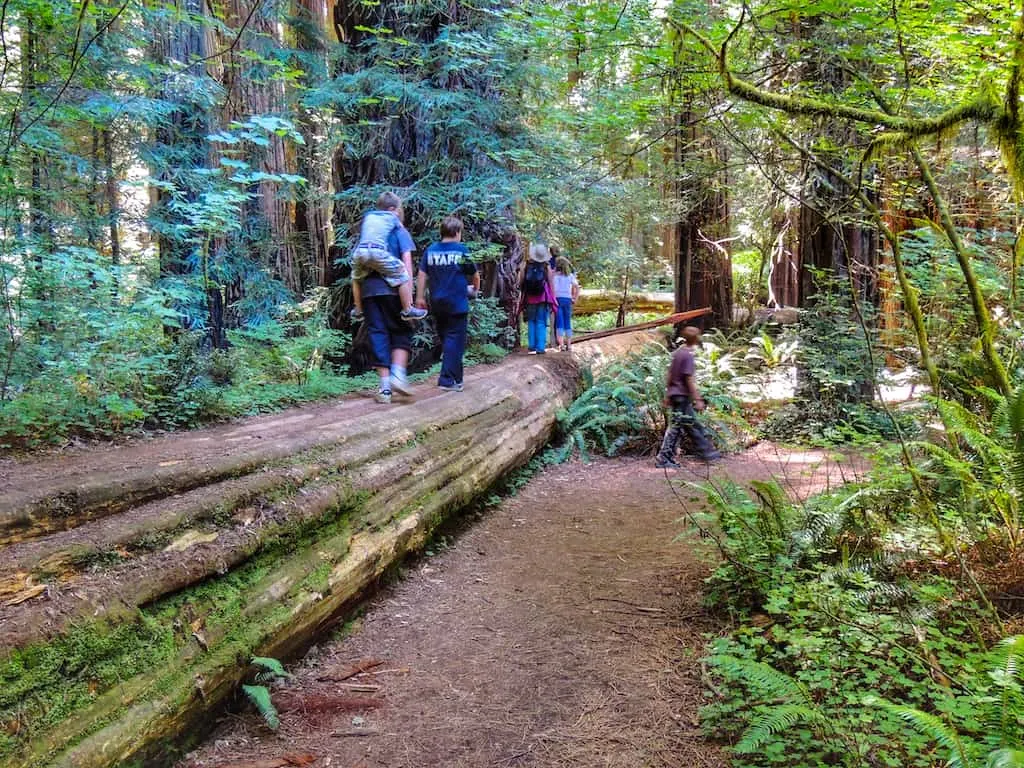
(592, 303)
(169, 563)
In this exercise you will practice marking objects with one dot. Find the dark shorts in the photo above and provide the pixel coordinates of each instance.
(385, 327)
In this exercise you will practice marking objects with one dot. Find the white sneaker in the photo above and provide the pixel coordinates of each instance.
(400, 384)
(383, 396)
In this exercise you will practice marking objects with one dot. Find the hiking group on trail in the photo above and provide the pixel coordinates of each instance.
(382, 294)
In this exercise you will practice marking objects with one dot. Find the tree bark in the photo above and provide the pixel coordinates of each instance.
(184, 131)
(314, 208)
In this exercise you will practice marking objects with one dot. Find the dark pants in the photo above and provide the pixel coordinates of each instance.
(683, 419)
(385, 327)
(452, 331)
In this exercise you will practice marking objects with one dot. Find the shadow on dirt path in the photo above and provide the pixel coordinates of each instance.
(563, 629)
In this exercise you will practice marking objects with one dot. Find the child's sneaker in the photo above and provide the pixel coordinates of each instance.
(413, 313)
(400, 384)
(383, 396)
(456, 387)
(667, 464)
(355, 315)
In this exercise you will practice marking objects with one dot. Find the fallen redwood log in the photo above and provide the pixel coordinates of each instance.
(674, 319)
(592, 302)
(279, 525)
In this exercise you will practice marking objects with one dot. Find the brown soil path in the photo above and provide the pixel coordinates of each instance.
(564, 628)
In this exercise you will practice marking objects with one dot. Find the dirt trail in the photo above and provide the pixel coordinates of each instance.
(564, 628)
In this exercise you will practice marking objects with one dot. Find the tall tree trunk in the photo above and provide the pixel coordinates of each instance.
(703, 267)
(313, 210)
(181, 137)
(255, 89)
(113, 204)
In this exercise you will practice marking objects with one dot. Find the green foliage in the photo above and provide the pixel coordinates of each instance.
(991, 713)
(749, 278)
(767, 352)
(619, 410)
(259, 697)
(829, 612)
(489, 334)
(268, 670)
(978, 481)
(602, 321)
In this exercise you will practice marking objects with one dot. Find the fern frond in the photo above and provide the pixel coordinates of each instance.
(883, 593)
(260, 698)
(776, 720)
(581, 445)
(1015, 421)
(928, 725)
(1005, 758)
(765, 679)
(770, 493)
(952, 463)
(269, 664)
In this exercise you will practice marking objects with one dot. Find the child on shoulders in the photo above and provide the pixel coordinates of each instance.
(385, 247)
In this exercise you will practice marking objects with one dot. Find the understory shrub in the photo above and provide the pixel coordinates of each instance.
(622, 410)
(853, 649)
(118, 368)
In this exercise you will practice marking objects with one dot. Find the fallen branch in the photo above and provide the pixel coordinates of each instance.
(324, 703)
(678, 317)
(273, 762)
(356, 732)
(632, 605)
(356, 669)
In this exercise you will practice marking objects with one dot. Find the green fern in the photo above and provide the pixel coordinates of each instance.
(776, 720)
(1006, 758)
(259, 695)
(269, 665)
(1015, 424)
(772, 685)
(764, 679)
(268, 670)
(928, 725)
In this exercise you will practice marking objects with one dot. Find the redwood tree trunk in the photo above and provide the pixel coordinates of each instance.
(703, 268)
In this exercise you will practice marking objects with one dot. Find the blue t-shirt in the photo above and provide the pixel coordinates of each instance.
(447, 267)
(399, 241)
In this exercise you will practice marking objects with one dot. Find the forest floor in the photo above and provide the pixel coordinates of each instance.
(562, 627)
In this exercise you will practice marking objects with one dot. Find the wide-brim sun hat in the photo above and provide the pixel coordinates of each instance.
(539, 252)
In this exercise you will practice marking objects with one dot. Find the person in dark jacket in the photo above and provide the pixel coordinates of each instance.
(451, 280)
(683, 398)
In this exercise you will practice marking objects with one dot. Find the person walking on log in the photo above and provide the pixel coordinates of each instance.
(538, 297)
(452, 279)
(684, 400)
(383, 309)
(384, 249)
(567, 291)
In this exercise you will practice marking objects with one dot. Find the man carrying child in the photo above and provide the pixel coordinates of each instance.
(385, 248)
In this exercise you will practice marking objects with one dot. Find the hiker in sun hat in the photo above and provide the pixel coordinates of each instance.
(538, 297)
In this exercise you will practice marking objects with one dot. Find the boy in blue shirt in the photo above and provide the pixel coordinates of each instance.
(384, 248)
(453, 279)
